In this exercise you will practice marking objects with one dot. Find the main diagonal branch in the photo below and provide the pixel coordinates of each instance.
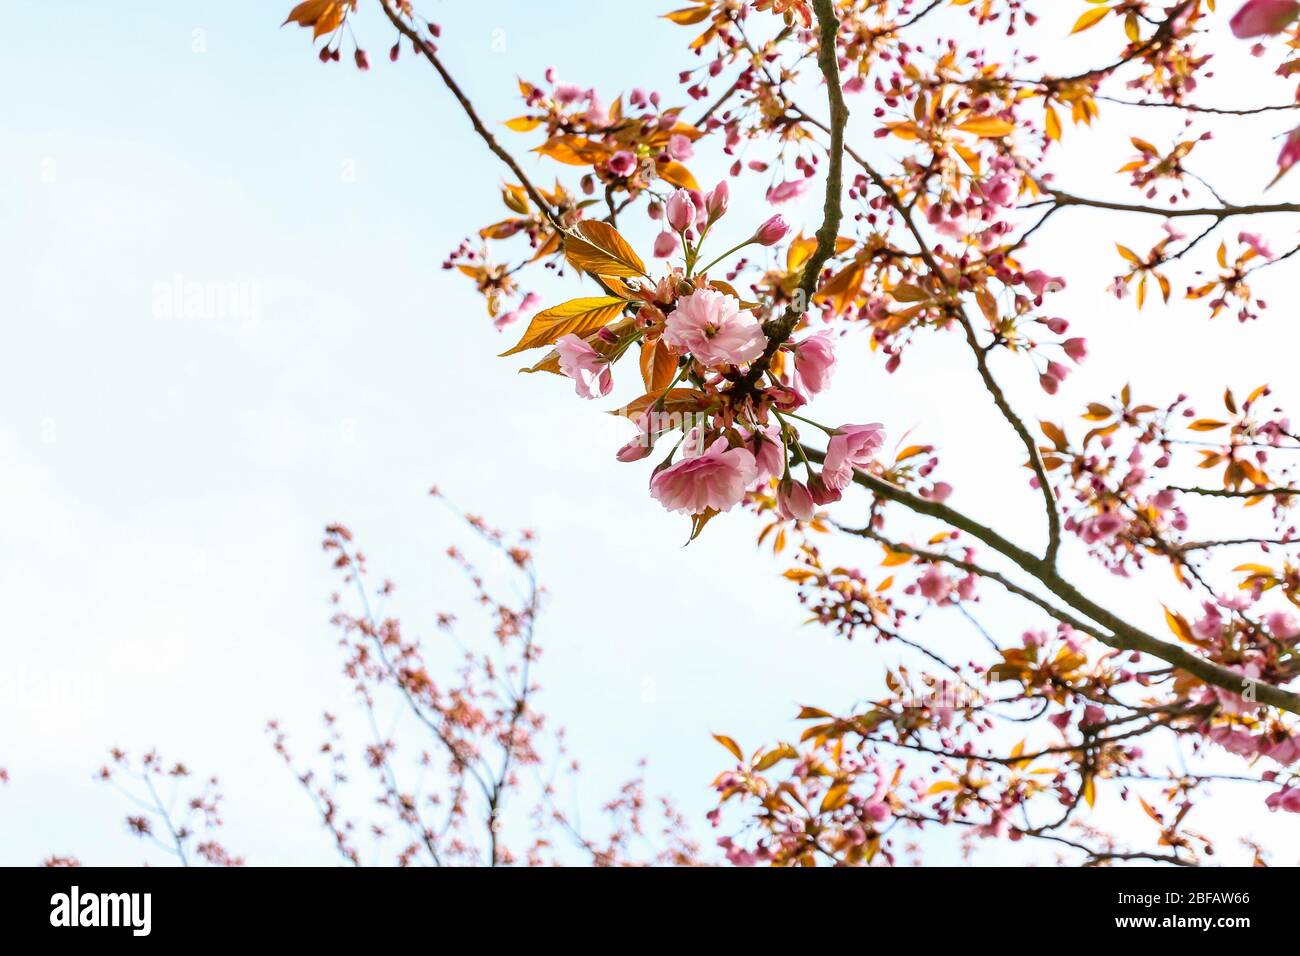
(981, 356)
(1122, 635)
(427, 48)
(1220, 213)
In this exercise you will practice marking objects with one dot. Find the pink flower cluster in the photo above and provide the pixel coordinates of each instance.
(710, 333)
(719, 479)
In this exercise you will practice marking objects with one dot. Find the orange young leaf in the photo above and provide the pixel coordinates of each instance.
(658, 366)
(987, 126)
(574, 150)
(597, 248)
(577, 316)
(689, 15)
(730, 745)
(675, 400)
(835, 797)
(1053, 123)
(677, 174)
(324, 16)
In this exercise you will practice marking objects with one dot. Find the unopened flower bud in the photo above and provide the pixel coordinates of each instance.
(794, 501)
(716, 202)
(772, 231)
(681, 210)
(822, 493)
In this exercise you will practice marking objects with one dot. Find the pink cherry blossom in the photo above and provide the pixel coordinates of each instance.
(1000, 190)
(711, 326)
(934, 584)
(1210, 624)
(566, 93)
(1101, 528)
(622, 163)
(786, 191)
(851, 446)
(814, 361)
(1282, 625)
(1288, 798)
(715, 480)
(528, 302)
(1039, 282)
(1285, 751)
(587, 367)
(940, 492)
(1262, 17)
(1255, 242)
(768, 451)
(680, 147)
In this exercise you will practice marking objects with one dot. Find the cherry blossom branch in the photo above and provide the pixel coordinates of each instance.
(519, 707)
(1017, 424)
(980, 353)
(1234, 542)
(1237, 492)
(1226, 211)
(431, 53)
(1094, 855)
(1195, 108)
(1123, 635)
(1091, 742)
(828, 62)
(971, 567)
(163, 812)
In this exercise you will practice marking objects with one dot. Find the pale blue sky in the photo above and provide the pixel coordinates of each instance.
(165, 479)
